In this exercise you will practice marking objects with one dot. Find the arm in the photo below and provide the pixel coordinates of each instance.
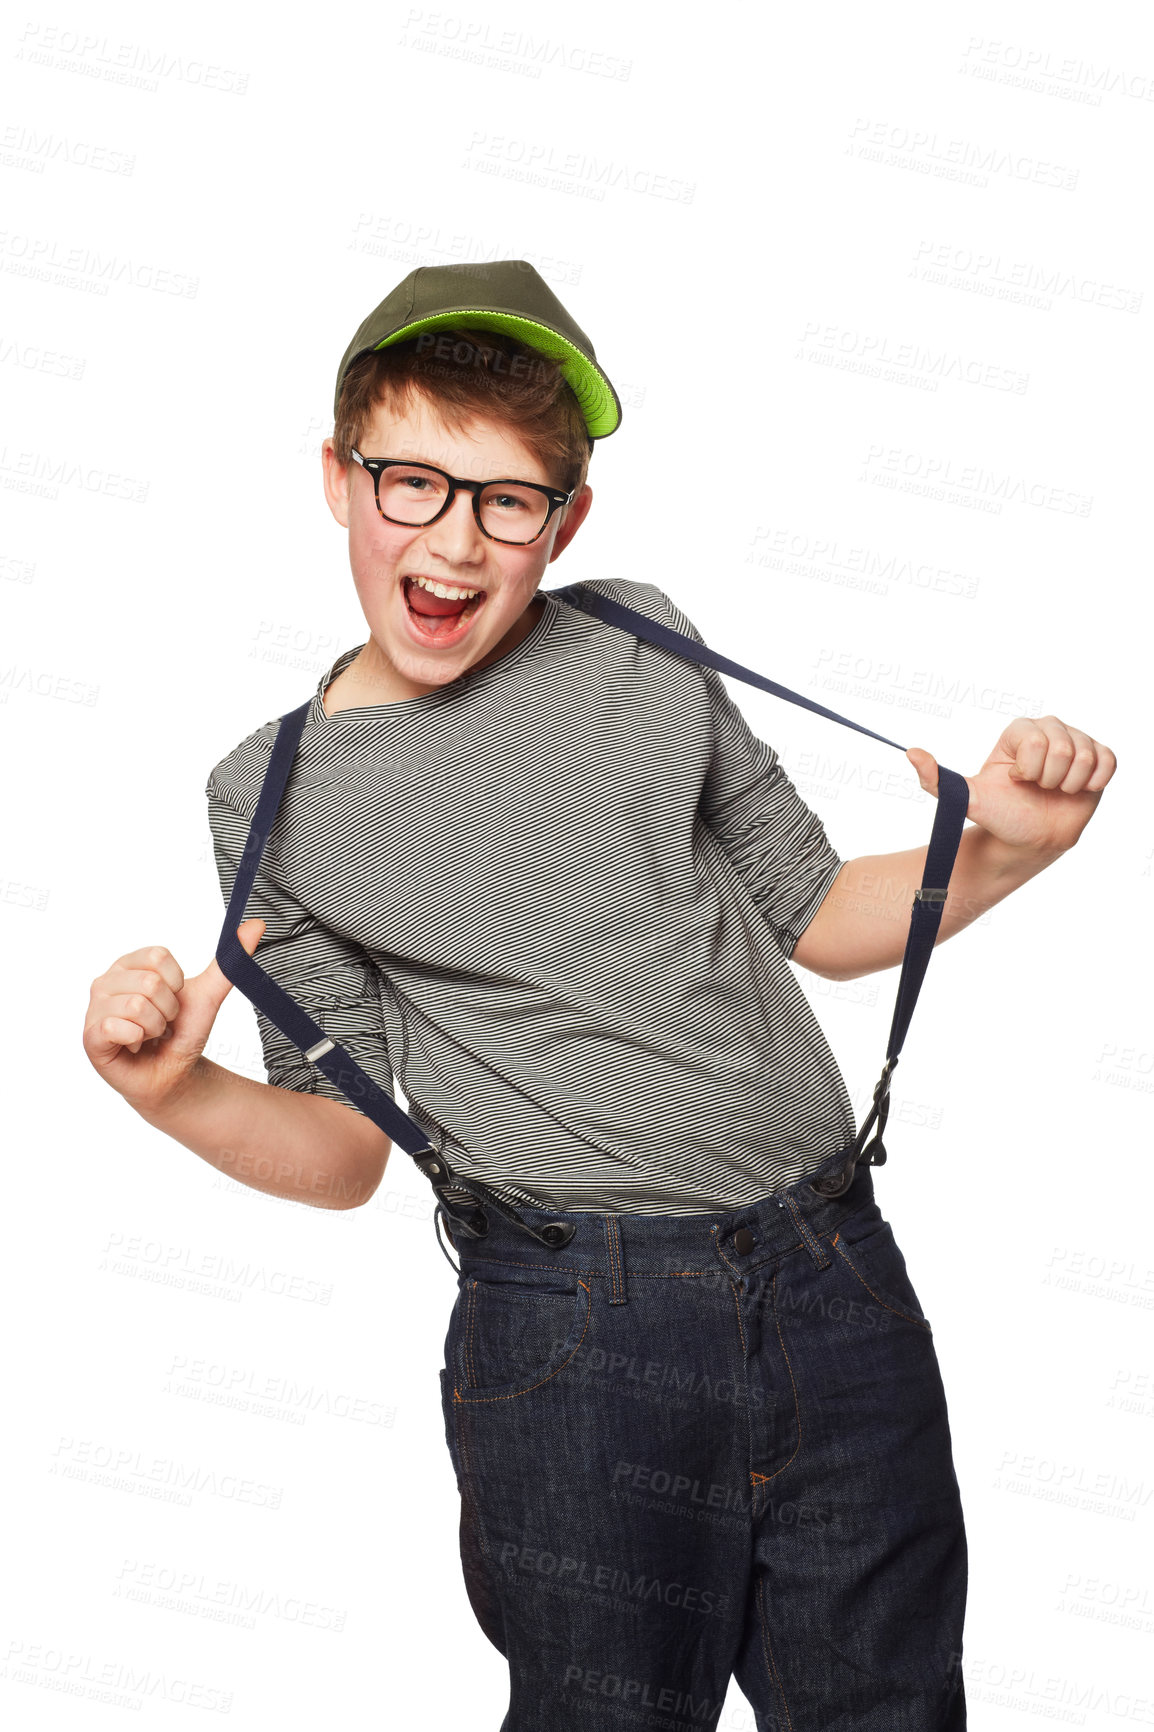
(298, 1128)
(1032, 798)
(841, 919)
(296, 1136)
(863, 923)
(145, 1031)
(303, 1148)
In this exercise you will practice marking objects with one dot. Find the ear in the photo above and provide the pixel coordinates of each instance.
(337, 483)
(572, 518)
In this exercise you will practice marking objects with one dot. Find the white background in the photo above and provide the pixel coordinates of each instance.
(894, 272)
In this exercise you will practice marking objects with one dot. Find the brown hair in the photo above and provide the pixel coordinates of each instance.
(471, 373)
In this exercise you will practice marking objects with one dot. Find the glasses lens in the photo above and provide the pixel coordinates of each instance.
(411, 494)
(513, 511)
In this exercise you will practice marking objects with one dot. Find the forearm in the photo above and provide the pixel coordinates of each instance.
(304, 1148)
(864, 919)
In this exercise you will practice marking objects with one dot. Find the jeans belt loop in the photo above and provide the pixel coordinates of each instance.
(618, 1293)
(821, 1257)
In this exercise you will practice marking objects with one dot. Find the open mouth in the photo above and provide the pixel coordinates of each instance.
(436, 618)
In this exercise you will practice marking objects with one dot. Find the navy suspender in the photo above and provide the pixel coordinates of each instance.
(953, 801)
(338, 1065)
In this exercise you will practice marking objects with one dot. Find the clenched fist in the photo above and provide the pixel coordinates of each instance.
(146, 1025)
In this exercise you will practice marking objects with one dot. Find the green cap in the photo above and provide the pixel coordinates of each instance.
(507, 295)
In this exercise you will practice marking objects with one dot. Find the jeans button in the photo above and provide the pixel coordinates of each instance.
(743, 1241)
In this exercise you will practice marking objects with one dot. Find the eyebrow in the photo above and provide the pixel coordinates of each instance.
(428, 462)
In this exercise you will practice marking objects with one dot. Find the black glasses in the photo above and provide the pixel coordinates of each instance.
(415, 494)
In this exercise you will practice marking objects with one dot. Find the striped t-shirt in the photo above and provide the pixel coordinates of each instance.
(554, 900)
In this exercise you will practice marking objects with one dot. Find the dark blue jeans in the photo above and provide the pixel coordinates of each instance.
(696, 1447)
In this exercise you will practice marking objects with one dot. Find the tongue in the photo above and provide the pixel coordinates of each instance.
(433, 606)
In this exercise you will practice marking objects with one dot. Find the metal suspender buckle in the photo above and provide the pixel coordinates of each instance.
(921, 894)
(437, 1170)
(433, 1164)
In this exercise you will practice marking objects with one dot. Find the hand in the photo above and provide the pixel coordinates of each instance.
(146, 1025)
(1038, 788)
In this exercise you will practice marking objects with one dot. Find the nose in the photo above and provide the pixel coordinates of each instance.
(456, 537)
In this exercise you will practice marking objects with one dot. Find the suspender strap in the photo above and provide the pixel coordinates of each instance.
(342, 1069)
(929, 899)
(328, 1056)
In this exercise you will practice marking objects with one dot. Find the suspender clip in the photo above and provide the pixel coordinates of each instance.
(433, 1164)
(437, 1170)
(921, 894)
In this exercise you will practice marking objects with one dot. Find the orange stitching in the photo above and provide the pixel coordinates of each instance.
(470, 1372)
(740, 1325)
(793, 1385)
(808, 1238)
(473, 1399)
(641, 1275)
(726, 1261)
(835, 1238)
(468, 1499)
(645, 1274)
(798, 1220)
(768, 1650)
(733, 1290)
(574, 1269)
(896, 1309)
(614, 1256)
(522, 1263)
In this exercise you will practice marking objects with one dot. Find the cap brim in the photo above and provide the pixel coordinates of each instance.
(599, 402)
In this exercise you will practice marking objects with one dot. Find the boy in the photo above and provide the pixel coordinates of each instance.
(540, 871)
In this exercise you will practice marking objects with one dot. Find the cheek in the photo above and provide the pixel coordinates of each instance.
(375, 547)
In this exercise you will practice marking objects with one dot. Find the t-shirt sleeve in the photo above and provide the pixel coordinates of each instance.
(776, 841)
(327, 975)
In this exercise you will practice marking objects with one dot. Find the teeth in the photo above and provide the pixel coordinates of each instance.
(444, 591)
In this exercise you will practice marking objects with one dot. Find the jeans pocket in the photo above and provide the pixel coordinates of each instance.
(865, 1242)
(511, 1336)
(450, 1423)
(479, 1580)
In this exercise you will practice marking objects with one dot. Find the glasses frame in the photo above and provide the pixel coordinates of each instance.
(376, 467)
